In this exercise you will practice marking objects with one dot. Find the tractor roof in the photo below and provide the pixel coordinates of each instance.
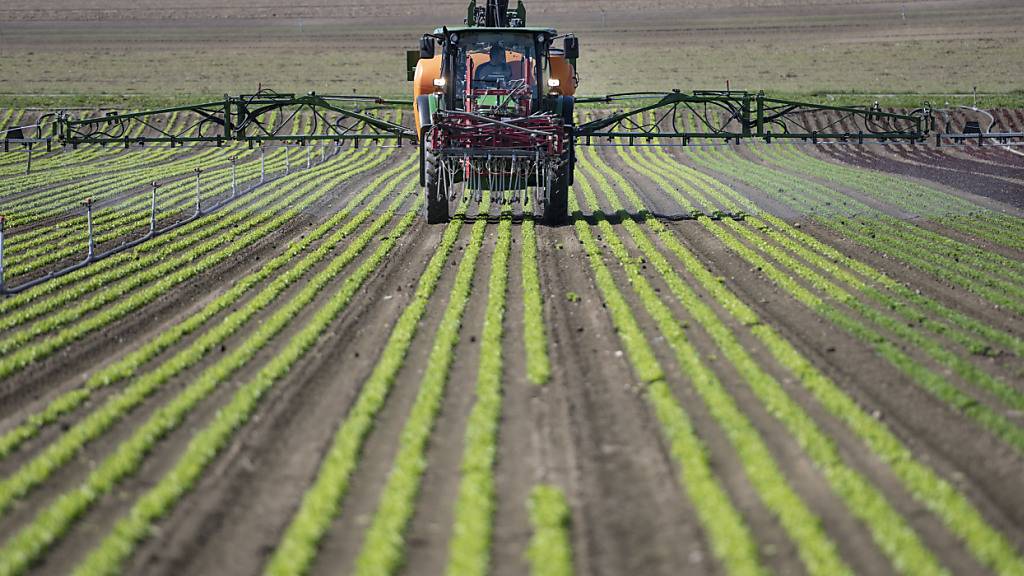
(461, 29)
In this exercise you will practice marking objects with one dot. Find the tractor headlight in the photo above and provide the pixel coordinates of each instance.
(554, 82)
(440, 82)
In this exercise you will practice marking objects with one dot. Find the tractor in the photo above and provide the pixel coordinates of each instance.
(493, 107)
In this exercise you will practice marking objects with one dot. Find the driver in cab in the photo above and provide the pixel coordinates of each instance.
(497, 71)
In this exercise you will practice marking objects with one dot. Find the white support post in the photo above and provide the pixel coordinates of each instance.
(323, 153)
(263, 166)
(28, 168)
(309, 157)
(287, 161)
(1, 253)
(199, 206)
(234, 176)
(152, 210)
(88, 219)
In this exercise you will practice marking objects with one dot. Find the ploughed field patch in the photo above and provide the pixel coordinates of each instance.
(745, 359)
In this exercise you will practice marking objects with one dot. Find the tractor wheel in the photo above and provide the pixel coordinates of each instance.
(555, 210)
(435, 209)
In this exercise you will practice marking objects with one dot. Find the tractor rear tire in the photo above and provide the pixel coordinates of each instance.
(435, 209)
(555, 211)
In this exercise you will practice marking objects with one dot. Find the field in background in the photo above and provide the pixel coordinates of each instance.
(120, 52)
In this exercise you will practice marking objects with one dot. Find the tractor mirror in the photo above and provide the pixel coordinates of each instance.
(412, 58)
(426, 47)
(572, 48)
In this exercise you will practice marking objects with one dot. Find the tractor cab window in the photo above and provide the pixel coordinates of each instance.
(499, 62)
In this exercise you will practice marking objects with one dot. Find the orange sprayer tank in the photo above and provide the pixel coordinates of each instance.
(427, 70)
(562, 70)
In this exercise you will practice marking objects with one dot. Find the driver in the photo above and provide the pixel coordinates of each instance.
(497, 69)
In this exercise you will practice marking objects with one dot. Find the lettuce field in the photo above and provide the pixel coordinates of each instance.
(735, 360)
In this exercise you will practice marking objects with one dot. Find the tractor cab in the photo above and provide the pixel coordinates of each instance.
(496, 73)
(502, 71)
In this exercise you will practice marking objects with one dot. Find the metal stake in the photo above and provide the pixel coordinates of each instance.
(199, 207)
(309, 157)
(1, 253)
(28, 168)
(152, 211)
(263, 166)
(234, 176)
(88, 219)
(287, 161)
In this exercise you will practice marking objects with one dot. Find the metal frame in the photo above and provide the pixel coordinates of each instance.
(735, 115)
(243, 119)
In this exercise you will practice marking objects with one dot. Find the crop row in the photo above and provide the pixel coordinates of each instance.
(118, 222)
(728, 535)
(129, 365)
(937, 495)
(74, 286)
(975, 262)
(107, 557)
(42, 204)
(42, 466)
(65, 179)
(965, 266)
(538, 366)
(98, 274)
(111, 222)
(935, 349)
(38, 201)
(890, 531)
(913, 306)
(470, 545)
(161, 242)
(61, 158)
(127, 170)
(181, 190)
(384, 546)
(323, 500)
(817, 551)
(54, 520)
(944, 208)
(550, 550)
(145, 285)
